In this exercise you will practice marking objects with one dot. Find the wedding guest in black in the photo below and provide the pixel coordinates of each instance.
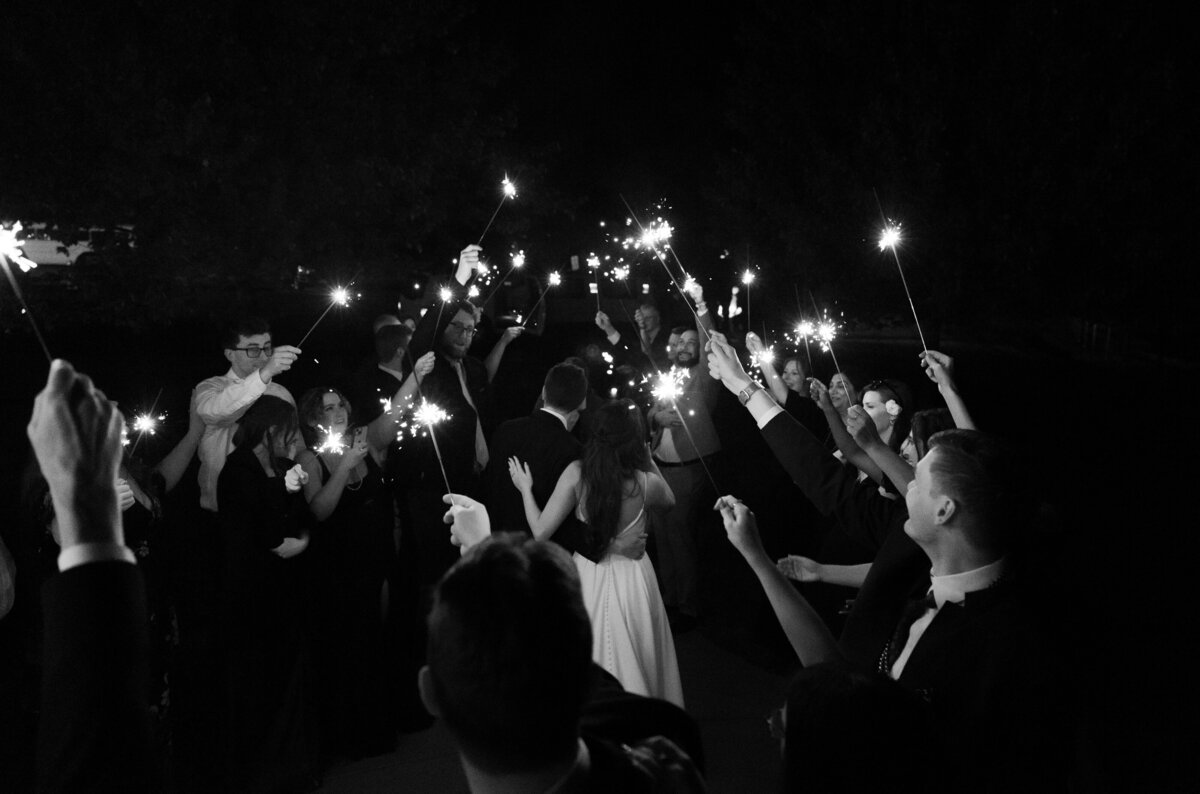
(510, 673)
(543, 440)
(371, 386)
(789, 387)
(269, 733)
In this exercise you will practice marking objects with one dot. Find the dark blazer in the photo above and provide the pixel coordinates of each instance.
(539, 440)
(367, 388)
(994, 684)
(95, 723)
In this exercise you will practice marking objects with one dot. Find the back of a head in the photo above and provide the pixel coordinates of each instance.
(986, 478)
(849, 731)
(509, 656)
(242, 326)
(927, 423)
(268, 416)
(389, 339)
(565, 387)
(616, 447)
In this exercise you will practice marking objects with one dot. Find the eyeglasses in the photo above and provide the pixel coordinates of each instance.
(253, 351)
(463, 330)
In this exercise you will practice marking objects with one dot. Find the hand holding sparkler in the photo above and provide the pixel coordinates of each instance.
(939, 368)
(468, 263)
(125, 497)
(862, 427)
(468, 520)
(723, 364)
(352, 454)
(424, 365)
(605, 324)
(281, 361)
(820, 395)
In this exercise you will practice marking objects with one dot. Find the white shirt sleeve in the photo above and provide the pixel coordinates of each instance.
(84, 553)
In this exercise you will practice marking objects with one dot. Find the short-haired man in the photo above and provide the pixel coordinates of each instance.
(254, 362)
(543, 440)
(650, 352)
(510, 672)
(370, 386)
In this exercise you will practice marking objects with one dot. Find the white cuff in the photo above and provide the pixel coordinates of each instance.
(84, 553)
(763, 408)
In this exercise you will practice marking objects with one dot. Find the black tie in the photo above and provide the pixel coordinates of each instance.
(912, 613)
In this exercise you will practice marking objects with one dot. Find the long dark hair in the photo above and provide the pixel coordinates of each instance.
(616, 450)
(312, 413)
(898, 391)
(270, 418)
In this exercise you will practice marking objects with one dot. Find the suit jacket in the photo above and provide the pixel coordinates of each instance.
(95, 724)
(994, 685)
(367, 388)
(539, 440)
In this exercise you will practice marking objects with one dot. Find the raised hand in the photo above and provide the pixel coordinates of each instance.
(424, 365)
(753, 343)
(353, 454)
(468, 520)
(862, 427)
(694, 290)
(522, 477)
(820, 394)
(939, 368)
(281, 360)
(605, 324)
(740, 526)
(75, 432)
(723, 364)
(468, 262)
(511, 333)
(801, 569)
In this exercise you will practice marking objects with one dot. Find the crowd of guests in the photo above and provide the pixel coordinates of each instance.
(350, 573)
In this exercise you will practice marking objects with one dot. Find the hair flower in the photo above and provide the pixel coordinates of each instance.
(893, 408)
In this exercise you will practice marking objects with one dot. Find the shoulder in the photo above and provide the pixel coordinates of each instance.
(215, 383)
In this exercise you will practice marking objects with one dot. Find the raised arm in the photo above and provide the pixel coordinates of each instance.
(775, 383)
(659, 495)
(382, 431)
(850, 450)
(544, 522)
(867, 437)
(218, 402)
(424, 338)
(807, 633)
(940, 369)
(492, 362)
(176, 462)
(803, 569)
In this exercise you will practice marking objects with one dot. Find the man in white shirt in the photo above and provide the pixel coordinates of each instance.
(221, 401)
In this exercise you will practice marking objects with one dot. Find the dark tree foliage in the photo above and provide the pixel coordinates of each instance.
(1038, 154)
(245, 140)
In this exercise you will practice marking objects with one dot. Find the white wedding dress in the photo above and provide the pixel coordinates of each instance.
(630, 635)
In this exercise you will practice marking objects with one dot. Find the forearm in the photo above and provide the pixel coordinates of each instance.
(382, 431)
(891, 464)
(492, 362)
(774, 382)
(844, 575)
(176, 462)
(216, 404)
(958, 408)
(533, 515)
(806, 632)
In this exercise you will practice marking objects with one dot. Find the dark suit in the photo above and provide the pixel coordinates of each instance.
(95, 725)
(992, 682)
(539, 440)
(367, 388)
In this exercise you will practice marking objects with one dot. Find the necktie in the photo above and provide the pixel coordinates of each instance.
(911, 614)
(481, 450)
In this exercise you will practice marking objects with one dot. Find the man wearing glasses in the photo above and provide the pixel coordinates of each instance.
(221, 401)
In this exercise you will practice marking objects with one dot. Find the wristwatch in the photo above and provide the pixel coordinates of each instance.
(745, 394)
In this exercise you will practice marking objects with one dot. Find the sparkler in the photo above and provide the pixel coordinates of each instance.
(803, 331)
(889, 240)
(509, 191)
(826, 331)
(555, 280)
(668, 387)
(429, 414)
(11, 251)
(747, 280)
(658, 235)
(333, 441)
(340, 296)
(593, 264)
(518, 260)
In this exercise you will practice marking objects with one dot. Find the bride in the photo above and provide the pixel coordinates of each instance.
(610, 490)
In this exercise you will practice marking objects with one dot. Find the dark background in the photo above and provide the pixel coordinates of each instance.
(1040, 155)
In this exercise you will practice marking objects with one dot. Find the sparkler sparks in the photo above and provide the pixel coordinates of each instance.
(518, 259)
(555, 279)
(429, 414)
(333, 441)
(473, 292)
(669, 385)
(445, 294)
(147, 423)
(806, 330)
(510, 190)
(748, 278)
(340, 296)
(621, 272)
(764, 356)
(826, 333)
(889, 237)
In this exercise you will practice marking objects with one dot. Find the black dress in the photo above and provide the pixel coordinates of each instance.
(269, 733)
(352, 556)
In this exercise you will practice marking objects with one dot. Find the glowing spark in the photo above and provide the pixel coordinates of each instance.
(11, 248)
(593, 262)
(146, 423)
(332, 443)
(555, 279)
(621, 272)
(473, 292)
(607, 357)
(429, 414)
(340, 296)
(510, 190)
(826, 333)
(689, 284)
(518, 259)
(445, 294)
(481, 269)
(764, 356)
(889, 237)
(748, 278)
(386, 402)
(806, 330)
(669, 385)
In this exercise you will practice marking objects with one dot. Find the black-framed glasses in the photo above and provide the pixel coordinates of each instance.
(253, 351)
(463, 330)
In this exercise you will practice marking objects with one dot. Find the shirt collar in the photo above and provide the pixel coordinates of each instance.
(561, 417)
(955, 587)
(397, 374)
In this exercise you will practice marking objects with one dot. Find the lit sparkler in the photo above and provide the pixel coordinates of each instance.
(554, 281)
(11, 251)
(593, 264)
(473, 292)
(889, 237)
(764, 356)
(333, 441)
(747, 280)
(339, 296)
(429, 414)
(889, 240)
(518, 260)
(669, 385)
(508, 191)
